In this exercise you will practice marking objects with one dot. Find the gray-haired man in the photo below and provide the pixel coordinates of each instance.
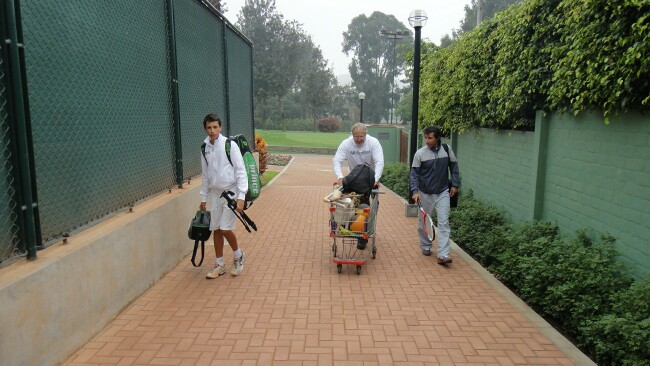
(359, 149)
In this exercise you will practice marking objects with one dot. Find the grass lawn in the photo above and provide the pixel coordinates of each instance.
(267, 176)
(302, 138)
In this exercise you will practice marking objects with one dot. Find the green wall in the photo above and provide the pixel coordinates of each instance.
(577, 172)
(598, 177)
(497, 167)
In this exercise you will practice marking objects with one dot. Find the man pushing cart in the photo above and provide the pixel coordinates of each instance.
(354, 204)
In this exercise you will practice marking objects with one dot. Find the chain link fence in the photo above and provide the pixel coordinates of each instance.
(101, 105)
(240, 66)
(201, 74)
(8, 204)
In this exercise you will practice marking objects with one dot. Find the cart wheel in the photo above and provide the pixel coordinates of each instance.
(339, 267)
(374, 252)
(358, 270)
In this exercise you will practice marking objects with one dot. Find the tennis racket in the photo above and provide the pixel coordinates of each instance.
(428, 223)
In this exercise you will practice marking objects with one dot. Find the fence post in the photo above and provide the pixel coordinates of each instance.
(175, 103)
(21, 124)
(226, 80)
(538, 176)
(453, 140)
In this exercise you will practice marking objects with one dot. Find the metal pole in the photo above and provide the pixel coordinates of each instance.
(416, 98)
(21, 123)
(392, 85)
(361, 112)
(175, 95)
(227, 85)
(416, 94)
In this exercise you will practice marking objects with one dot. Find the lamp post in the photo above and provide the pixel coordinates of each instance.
(362, 96)
(417, 19)
(393, 36)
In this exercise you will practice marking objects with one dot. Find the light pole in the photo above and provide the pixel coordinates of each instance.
(417, 19)
(362, 96)
(393, 36)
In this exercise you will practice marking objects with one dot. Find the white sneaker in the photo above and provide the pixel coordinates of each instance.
(238, 265)
(216, 272)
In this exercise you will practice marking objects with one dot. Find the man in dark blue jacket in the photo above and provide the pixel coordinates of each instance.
(429, 183)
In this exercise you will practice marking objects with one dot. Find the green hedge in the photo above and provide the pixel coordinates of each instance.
(576, 284)
(395, 178)
(553, 55)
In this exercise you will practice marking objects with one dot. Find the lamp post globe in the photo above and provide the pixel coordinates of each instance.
(418, 18)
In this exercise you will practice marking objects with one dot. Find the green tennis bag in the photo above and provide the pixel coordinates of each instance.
(252, 172)
(254, 184)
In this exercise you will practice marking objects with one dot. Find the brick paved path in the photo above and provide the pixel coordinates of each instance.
(291, 307)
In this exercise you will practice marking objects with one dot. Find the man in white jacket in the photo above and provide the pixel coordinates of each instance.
(218, 176)
(359, 149)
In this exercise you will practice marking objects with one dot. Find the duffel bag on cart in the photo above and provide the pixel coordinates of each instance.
(360, 180)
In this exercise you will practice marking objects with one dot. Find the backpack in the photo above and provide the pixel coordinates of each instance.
(360, 180)
(199, 231)
(453, 201)
(253, 174)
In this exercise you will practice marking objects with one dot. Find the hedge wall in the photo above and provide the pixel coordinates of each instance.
(553, 55)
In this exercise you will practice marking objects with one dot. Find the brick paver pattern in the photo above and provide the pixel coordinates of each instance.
(291, 307)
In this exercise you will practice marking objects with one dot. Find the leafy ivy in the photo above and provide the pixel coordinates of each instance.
(559, 55)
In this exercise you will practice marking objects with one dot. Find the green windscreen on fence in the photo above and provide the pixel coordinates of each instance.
(8, 226)
(99, 85)
(240, 89)
(199, 45)
(100, 97)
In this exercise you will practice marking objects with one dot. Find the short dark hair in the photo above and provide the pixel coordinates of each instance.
(211, 118)
(432, 129)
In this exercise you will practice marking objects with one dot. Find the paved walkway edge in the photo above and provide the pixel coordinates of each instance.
(281, 172)
(573, 352)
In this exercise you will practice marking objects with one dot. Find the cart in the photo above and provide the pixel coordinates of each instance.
(354, 238)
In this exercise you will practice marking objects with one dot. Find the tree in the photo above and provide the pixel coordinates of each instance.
(490, 8)
(371, 68)
(316, 81)
(405, 107)
(219, 5)
(285, 60)
(345, 102)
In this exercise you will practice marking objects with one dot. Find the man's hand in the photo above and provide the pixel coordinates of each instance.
(339, 182)
(416, 197)
(453, 191)
(202, 206)
(240, 205)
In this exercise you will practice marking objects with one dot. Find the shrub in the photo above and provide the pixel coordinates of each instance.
(569, 280)
(622, 337)
(479, 229)
(396, 178)
(528, 239)
(329, 124)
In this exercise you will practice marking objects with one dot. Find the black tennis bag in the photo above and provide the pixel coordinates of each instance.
(360, 180)
(199, 231)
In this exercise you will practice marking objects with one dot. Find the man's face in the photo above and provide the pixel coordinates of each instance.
(213, 130)
(430, 140)
(359, 137)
